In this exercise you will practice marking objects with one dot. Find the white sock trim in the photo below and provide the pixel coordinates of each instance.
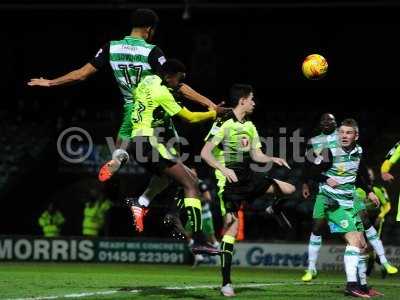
(353, 248)
(144, 201)
(315, 238)
(371, 232)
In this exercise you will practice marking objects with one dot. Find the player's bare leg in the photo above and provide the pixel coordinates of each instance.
(279, 189)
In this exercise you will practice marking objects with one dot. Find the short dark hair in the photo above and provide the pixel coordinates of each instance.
(172, 67)
(328, 116)
(144, 17)
(239, 91)
(350, 123)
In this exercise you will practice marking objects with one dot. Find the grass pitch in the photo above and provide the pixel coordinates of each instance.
(118, 281)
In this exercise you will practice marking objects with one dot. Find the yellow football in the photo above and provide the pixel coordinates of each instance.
(314, 66)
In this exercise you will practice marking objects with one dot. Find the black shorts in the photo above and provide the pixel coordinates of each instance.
(250, 186)
(150, 155)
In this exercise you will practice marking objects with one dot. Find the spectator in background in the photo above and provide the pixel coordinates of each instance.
(94, 215)
(51, 221)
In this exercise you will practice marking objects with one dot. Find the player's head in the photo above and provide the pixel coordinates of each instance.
(241, 96)
(173, 71)
(348, 132)
(146, 21)
(327, 123)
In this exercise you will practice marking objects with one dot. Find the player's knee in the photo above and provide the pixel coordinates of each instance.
(190, 189)
(363, 245)
(280, 187)
(290, 189)
(352, 242)
(354, 239)
(286, 188)
(190, 185)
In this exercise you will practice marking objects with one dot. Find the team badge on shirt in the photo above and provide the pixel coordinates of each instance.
(244, 142)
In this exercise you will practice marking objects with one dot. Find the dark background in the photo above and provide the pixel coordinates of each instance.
(222, 43)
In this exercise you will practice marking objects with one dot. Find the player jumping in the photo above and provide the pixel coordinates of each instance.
(154, 104)
(131, 59)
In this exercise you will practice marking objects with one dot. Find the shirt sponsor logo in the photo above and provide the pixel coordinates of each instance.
(46, 249)
(344, 223)
(244, 142)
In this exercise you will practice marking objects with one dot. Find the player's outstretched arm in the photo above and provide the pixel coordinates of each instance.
(194, 96)
(258, 156)
(196, 117)
(206, 154)
(164, 97)
(72, 77)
